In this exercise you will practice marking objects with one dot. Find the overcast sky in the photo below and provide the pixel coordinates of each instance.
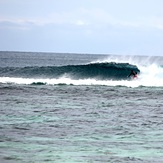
(130, 27)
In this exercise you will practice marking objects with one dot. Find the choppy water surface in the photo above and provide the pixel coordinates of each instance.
(80, 108)
(67, 123)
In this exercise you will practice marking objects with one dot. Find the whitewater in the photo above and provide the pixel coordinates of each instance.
(72, 108)
(150, 75)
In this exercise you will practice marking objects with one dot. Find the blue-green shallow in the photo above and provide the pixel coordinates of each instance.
(81, 124)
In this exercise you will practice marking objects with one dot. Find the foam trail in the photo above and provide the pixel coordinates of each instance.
(141, 81)
(151, 75)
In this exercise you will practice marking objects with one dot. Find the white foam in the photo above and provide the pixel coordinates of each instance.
(151, 75)
(151, 71)
(143, 80)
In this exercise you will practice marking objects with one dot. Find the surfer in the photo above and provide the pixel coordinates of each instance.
(133, 74)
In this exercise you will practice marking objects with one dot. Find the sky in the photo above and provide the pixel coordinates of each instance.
(122, 27)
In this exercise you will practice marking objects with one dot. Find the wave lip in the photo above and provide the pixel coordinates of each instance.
(100, 71)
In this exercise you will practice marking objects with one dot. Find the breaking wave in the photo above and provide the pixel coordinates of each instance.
(100, 71)
(110, 72)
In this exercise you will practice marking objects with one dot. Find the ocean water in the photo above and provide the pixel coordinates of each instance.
(80, 108)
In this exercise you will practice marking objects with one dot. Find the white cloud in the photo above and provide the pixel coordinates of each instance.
(107, 24)
(92, 18)
(81, 23)
(156, 22)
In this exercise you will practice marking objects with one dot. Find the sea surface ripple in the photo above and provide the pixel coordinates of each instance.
(67, 123)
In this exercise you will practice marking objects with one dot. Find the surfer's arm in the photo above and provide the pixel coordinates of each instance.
(129, 75)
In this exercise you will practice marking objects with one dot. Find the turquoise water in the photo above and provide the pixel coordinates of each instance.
(80, 122)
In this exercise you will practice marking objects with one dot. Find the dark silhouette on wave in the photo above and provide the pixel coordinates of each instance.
(102, 71)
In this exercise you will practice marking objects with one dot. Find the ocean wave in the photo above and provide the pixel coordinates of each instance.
(100, 71)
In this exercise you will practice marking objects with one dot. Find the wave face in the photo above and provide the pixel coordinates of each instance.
(75, 69)
(100, 71)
